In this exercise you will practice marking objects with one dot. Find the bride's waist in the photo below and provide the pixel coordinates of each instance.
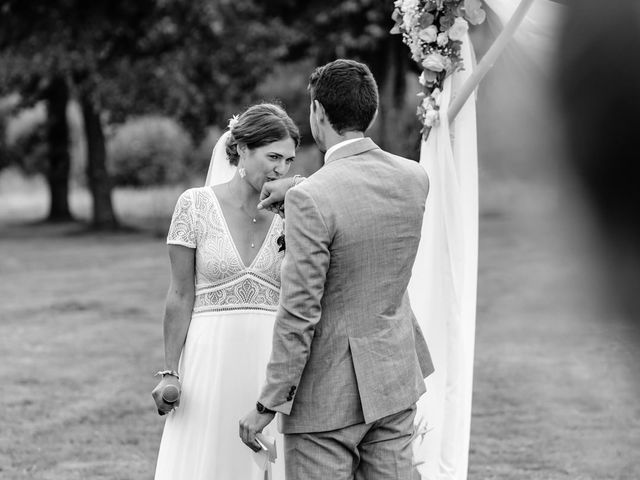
(247, 293)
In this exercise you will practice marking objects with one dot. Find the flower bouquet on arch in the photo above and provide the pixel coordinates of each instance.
(433, 30)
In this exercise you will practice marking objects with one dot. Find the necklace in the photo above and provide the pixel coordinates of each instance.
(253, 218)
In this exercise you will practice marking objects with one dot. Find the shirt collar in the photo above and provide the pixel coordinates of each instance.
(338, 145)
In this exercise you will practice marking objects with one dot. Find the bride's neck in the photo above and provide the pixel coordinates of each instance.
(243, 192)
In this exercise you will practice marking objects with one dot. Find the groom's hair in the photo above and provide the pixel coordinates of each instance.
(348, 92)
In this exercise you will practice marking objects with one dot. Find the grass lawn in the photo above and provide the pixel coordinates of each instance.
(556, 383)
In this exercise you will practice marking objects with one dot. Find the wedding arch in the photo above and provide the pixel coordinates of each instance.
(443, 286)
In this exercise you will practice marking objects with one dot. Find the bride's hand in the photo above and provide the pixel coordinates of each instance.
(167, 394)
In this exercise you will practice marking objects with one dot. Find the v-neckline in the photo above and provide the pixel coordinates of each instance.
(225, 226)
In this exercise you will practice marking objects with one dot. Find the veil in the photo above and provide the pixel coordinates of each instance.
(220, 170)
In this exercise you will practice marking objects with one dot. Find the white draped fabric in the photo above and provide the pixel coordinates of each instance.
(444, 281)
(443, 285)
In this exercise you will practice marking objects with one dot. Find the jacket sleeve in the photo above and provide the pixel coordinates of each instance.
(303, 275)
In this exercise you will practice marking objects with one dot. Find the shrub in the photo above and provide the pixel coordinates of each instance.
(25, 140)
(199, 165)
(150, 150)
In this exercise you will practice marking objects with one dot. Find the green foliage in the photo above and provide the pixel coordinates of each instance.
(328, 29)
(149, 151)
(199, 162)
(197, 61)
(287, 85)
(4, 151)
(194, 60)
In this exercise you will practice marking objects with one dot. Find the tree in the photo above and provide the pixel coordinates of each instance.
(194, 60)
(358, 29)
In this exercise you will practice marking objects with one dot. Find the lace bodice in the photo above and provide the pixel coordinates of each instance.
(223, 282)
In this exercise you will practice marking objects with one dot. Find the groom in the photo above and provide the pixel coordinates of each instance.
(348, 359)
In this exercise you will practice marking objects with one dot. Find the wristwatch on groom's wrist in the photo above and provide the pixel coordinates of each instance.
(262, 409)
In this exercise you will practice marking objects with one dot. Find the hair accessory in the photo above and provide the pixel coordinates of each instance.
(242, 172)
(233, 121)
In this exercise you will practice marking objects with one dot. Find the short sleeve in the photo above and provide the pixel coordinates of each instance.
(182, 230)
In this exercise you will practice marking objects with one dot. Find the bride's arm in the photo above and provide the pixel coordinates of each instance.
(177, 317)
(179, 303)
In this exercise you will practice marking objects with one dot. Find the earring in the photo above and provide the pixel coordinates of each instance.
(242, 172)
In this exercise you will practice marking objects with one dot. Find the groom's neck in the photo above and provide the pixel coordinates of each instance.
(334, 138)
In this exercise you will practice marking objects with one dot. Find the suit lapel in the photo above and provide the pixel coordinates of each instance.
(351, 149)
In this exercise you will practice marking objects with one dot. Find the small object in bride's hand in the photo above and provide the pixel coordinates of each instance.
(170, 394)
(166, 394)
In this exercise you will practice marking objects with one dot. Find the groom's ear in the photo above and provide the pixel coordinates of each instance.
(319, 110)
(375, 115)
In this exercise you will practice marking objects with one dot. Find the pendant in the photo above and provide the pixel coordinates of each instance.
(254, 220)
(252, 245)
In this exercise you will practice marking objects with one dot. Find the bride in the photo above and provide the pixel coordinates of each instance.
(220, 308)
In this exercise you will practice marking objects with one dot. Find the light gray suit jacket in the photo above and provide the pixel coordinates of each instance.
(346, 346)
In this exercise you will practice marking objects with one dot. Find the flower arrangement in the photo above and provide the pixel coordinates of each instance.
(433, 30)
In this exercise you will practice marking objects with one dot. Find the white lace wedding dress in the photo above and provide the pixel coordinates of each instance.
(227, 347)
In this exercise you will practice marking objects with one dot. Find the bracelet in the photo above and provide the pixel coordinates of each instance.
(173, 373)
(296, 179)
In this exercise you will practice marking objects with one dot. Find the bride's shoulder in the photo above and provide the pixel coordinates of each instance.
(196, 191)
(195, 196)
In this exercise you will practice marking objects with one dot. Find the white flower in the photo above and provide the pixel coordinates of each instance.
(428, 77)
(459, 29)
(416, 51)
(409, 20)
(474, 12)
(442, 39)
(434, 62)
(410, 4)
(432, 118)
(233, 121)
(422, 79)
(429, 34)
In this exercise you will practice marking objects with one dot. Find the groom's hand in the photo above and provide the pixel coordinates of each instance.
(252, 424)
(272, 195)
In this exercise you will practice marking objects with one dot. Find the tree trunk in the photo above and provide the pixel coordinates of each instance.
(57, 96)
(99, 181)
(400, 123)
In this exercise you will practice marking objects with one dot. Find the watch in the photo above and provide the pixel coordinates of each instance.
(262, 409)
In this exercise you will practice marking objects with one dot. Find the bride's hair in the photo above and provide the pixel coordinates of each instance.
(260, 125)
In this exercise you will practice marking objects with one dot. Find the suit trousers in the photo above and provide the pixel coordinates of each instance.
(381, 450)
